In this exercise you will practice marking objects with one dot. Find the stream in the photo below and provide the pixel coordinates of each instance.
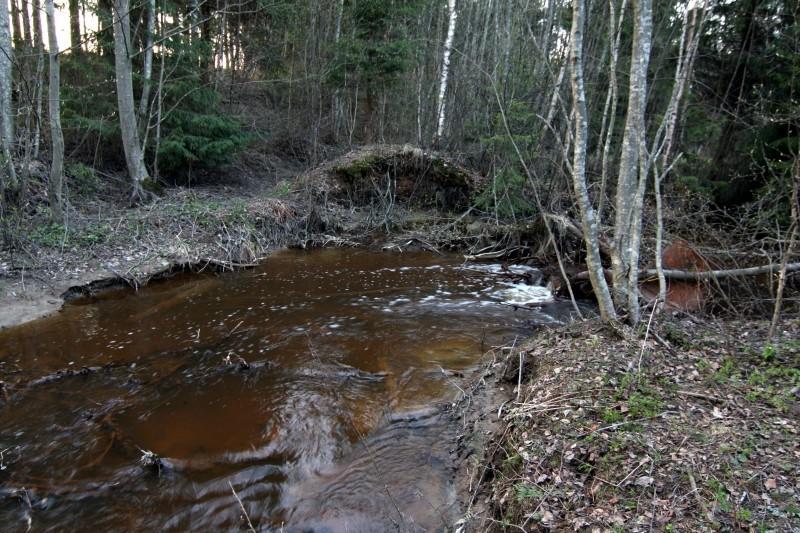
(304, 391)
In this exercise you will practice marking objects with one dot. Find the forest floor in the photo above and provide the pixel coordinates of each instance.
(692, 426)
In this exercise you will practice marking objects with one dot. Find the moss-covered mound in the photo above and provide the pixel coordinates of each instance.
(394, 175)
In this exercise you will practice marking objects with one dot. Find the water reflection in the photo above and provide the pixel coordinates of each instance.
(304, 383)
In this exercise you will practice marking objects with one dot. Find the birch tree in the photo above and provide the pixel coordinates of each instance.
(588, 219)
(56, 183)
(123, 47)
(630, 181)
(6, 117)
(690, 39)
(147, 74)
(38, 44)
(448, 48)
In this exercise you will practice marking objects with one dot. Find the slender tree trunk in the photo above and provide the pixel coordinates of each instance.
(588, 220)
(643, 35)
(159, 102)
(337, 107)
(27, 96)
(126, 107)
(16, 24)
(76, 40)
(39, 83)
(687, 50)
(26, 24)
(6, 91)
(611, 100)
(448, 47)
(56, 183)
(793, 229)
(628, 209)
(553, 107)
(147, 74)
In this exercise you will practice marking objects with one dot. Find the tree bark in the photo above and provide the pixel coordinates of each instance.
(26, 24)
(612, 99)
(134, 156)
(56, 183)
(16, 24)
(39, 84)
(6, 117)
(147, 74)
(686, 275)
(75, 26)
(704, 275)
(588, 220)
(628, 205)
(448, 47)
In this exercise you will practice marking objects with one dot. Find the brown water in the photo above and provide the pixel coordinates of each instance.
(308, 385)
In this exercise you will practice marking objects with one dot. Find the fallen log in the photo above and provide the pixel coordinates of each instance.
(717, 274)
(688, 275)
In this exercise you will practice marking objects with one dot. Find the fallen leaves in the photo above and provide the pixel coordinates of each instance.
(682, 443)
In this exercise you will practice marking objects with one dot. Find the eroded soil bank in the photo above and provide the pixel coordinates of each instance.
(690, 426)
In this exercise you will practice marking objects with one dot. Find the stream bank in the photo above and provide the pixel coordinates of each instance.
(690, 426)
(395, 197)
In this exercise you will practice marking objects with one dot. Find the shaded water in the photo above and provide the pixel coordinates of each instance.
(306, 384)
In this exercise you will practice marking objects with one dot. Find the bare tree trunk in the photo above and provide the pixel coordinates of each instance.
(39, 46)
(159, 104)
(75, 26)
(628, 209)
(611, 100)
(56, 183)
(127, 110)
(776, 314)
(337, 108)
(553, 107)
(588, 220)
(26, 24)
(448, 47)
(27, 95)
(6, 117)
(147, 74)
(16, 24)
(643, 35)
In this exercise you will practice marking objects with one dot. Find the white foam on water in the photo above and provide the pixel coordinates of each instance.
(497, 268)
(522, 294)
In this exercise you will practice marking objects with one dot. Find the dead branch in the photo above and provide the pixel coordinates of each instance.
(689, 275)
(717, 274)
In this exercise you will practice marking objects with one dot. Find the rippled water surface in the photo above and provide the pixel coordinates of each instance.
(306, 385)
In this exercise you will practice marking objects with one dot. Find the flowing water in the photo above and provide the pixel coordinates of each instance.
(308, 386)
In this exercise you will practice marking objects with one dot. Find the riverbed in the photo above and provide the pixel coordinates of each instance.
(306, 391)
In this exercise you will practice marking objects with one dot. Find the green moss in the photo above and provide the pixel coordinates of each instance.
(358, 169)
